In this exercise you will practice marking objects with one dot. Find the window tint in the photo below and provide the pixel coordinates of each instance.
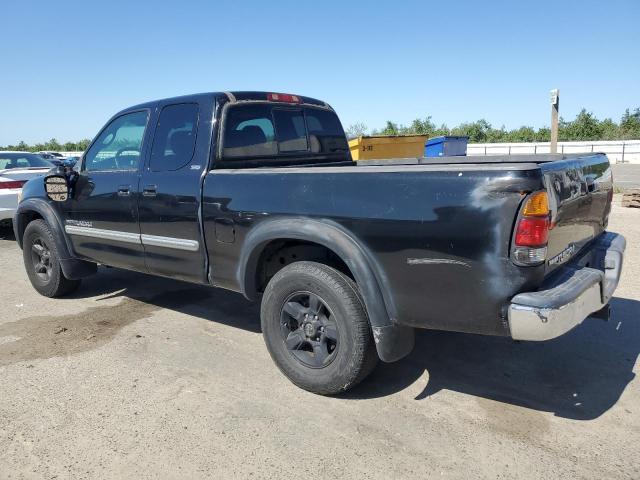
(290, 130)
(267, 130)
(325, 132)
(249, 132)
(119, 145)
(175, 137)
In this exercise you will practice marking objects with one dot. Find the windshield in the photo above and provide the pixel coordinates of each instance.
(10, 160)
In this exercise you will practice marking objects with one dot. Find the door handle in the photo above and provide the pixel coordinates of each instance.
(124, 190)
(150, 190)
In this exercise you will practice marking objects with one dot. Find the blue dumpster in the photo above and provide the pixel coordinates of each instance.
(446, 146)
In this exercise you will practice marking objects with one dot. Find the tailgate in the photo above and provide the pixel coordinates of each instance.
(580, 192)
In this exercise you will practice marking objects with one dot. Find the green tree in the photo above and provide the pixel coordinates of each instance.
(390, 129)
(543, 134)
(356, 130)
(495, 135)
(522, 134)
(421, 127)
(630, 125)
(585, 127)
(477, 131)
(609, 129)
(52, 145)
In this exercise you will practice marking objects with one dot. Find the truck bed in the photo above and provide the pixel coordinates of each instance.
(474, 159)
(438, 230)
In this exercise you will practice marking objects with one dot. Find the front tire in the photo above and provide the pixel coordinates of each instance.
(42, 261)
(316, 328)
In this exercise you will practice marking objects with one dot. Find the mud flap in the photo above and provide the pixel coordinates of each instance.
(393, 342)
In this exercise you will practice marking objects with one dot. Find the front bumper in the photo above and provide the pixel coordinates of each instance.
(575, 292)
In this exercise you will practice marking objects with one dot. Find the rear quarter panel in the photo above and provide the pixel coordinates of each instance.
(438, 237)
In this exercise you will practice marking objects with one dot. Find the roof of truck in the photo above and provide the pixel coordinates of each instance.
(234, 96)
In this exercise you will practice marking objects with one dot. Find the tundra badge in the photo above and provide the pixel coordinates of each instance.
(563, 256)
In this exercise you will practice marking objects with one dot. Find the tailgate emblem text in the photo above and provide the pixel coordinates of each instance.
(563, 256)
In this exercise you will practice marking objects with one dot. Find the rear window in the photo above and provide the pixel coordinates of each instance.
(267, 130)
(10, 160)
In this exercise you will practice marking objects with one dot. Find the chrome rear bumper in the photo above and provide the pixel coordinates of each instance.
(577, 290)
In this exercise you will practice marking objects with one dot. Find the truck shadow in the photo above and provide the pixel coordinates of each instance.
(212, 304)
(578, 376)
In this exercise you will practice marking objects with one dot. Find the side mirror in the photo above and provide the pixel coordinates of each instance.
(56, 187)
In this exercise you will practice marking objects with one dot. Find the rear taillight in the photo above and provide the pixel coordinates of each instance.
(12, 184)
(532, 231)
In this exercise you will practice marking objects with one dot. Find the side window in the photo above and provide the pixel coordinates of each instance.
(290, 130)
(119, 145)
(175, 137)
(249, 132)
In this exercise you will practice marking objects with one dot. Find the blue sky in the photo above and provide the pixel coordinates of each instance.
(69, 65)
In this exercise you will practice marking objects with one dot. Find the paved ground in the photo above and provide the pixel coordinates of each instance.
(626, 175)
(138, 377)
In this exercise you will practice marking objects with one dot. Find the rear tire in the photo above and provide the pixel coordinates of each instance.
(316, 328)
(42, 261)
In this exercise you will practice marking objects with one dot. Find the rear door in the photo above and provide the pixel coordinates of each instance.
(169, 202)
(101, 217)
(580, 192)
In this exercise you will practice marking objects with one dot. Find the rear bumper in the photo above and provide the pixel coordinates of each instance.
(576, 291)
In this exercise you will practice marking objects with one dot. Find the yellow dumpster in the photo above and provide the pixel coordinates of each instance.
(387, 146)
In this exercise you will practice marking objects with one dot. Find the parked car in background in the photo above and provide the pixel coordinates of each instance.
(15, 169)
(49, 155)
(54, 157)
(70, 161)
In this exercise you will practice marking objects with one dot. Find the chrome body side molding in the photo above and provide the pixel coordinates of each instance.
(127, 237)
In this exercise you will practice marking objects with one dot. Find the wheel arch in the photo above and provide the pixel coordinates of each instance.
(392, 340)
(36, 208)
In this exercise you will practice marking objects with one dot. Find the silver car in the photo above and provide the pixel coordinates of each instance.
(16, 168)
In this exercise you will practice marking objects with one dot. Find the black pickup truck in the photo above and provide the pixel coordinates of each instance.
(256, 192)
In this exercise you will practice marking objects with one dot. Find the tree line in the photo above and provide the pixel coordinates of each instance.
(52, 145)
(584, 127)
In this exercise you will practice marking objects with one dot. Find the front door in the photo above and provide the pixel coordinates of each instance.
(101, 219)
(169, 201)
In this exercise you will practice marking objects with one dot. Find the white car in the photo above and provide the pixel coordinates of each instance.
(16, 168)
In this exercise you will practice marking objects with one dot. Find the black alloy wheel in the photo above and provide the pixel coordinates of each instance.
(41, 259)
(309, 329)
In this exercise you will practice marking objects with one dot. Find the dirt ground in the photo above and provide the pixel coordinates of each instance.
(141, 377)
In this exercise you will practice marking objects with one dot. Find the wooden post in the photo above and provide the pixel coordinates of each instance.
(555, 105)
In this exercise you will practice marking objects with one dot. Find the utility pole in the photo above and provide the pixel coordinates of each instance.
(555, 105)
